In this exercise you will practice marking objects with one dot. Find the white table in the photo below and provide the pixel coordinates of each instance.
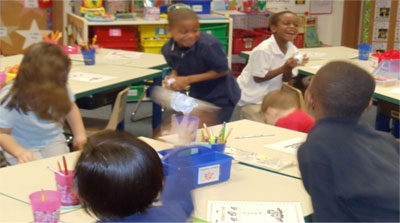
(328, 54)
(246, 127)
(245, 184)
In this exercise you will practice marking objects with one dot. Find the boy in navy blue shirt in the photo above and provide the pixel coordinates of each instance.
(197, 60)
(350, 170)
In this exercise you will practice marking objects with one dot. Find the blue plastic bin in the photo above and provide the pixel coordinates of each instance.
(199, 6)
(208, 166)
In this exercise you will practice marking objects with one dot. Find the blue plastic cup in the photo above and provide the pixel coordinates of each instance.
(89, 56)
(219, 147)
(363, 51)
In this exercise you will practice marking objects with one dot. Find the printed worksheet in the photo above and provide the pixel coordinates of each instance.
(287, 146)
(116, 55)
(89, 77)
(242, 211)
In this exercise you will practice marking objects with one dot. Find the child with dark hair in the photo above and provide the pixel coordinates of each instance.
(282, 108)
(119, 177)
(350, 170)
(270, 63)
(197, 60)
(35, 105)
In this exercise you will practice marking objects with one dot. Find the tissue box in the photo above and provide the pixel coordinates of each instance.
(207, 166)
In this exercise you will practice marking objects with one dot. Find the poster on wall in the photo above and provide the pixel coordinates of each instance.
(382, 10)
(379, 47)
(381, 31)
(319, 7)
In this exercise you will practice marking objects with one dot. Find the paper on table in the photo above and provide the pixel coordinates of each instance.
(314, 55)
(115, 55)
(88, 77)
(287, 146)
(395, 91)
(242, 211)
(316, 67)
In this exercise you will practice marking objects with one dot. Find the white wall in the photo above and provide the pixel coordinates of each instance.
(330, 26)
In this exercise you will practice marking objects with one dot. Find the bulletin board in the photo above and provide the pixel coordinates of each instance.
(316, 7)
(22, 23)
(380, 24)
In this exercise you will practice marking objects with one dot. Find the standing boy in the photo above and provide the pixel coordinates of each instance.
(197, 60)
(350, 170)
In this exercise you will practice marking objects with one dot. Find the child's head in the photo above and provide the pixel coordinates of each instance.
(118, 175)
(40, 85)
(184, 26)
(284, 25)
(277, 103)
(339, 89)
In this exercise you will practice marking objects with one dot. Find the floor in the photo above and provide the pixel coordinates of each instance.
(143, 127)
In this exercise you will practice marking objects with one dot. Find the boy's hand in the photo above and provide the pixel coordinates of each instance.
(180, 83)
(290, 64)
(305, 60)
(25, 156)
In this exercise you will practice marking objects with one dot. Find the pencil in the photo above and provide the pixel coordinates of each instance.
(227, 135)
(59, 166)
(205, 127)
(65, 165)
(223, 131)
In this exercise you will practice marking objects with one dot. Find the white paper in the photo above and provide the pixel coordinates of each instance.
(242, 211)
(89, 77)
(116, 55)
(316, 67)
(314, 55)
(320, 6)
(208, 174)
(395, 91)
(31, 4)
(3, 31)
(287, 146)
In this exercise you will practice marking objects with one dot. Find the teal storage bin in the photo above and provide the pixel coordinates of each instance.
(207, 165)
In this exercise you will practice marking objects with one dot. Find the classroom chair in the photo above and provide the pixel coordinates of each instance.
(287, 87)
(93, 125)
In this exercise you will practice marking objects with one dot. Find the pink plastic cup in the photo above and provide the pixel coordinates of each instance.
(49, 210)
(66, 187)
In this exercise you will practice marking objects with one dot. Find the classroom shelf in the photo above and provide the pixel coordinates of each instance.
(78, 27)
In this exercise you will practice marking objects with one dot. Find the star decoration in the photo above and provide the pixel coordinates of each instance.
(5, 32)
(33, 35)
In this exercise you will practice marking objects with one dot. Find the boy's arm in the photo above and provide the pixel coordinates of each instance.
(10, 145)
(285, 69)
(181, 82)
(74, 119)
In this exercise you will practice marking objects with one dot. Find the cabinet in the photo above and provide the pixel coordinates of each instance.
(78, 28)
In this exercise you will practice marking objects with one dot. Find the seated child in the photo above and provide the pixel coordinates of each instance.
(350, 170)
(282, 109)
(119, 177)
(270, 63)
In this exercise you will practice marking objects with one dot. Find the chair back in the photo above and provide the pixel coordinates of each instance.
(118, 111)
(289, 88)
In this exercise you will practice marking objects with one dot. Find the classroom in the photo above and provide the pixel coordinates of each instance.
(199, 111)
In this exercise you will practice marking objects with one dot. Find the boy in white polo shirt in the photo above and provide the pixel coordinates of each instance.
(269, 64)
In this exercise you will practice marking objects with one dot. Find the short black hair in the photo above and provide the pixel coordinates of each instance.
(274, 18)
(343, 89)
(117, 175)
(181, 14)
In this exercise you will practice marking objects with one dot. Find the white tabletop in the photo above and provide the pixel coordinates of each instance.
(322, 55)
(246, 127)
(245, 184)
(121, 75)
(145, 60)
(12, 210)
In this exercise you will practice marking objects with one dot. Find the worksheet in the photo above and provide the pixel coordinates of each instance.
(88, 77)
(242, 211)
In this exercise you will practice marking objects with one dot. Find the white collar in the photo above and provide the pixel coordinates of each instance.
(277, 50)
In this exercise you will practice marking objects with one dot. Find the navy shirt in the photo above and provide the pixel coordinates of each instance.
(176, 202)
(205, 55)
(351, 172)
